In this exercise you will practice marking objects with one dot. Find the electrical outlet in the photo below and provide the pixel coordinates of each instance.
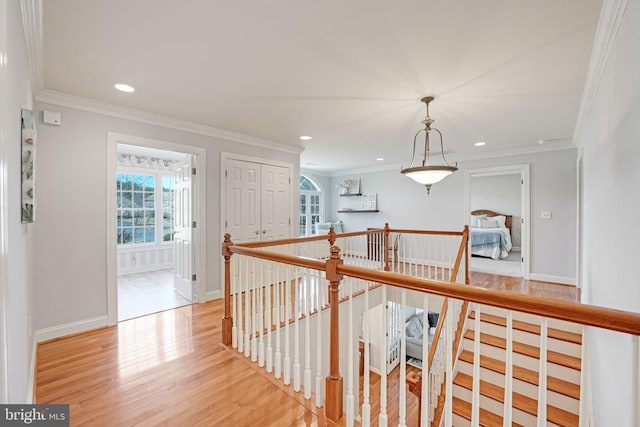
(545, 215)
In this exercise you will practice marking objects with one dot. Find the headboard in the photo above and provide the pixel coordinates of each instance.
(489, 214)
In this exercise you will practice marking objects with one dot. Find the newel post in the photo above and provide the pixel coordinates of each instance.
(386, 246)
(333, 384)
(227, 321)
(465, 236)
(332, 236)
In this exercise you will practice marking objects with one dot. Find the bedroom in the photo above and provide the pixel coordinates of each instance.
(496, 222)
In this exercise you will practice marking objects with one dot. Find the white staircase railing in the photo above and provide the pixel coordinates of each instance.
(287, 322)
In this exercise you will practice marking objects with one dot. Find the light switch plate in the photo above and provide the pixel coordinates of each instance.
(545, 215)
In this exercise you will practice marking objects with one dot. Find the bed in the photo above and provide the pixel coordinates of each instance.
(490, 234)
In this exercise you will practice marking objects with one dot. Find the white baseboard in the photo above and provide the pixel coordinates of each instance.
(211, 295)
(32, 372)
(553, 279)
(516, 249)
(70, 328)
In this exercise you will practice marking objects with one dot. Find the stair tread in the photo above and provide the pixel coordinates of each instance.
(487, 418)
(520, 401)
(527, 350)
(554, 384)
(558, 334)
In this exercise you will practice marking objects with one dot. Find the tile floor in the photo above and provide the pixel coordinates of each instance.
(145, 293)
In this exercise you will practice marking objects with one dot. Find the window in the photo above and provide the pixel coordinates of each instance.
(310, 206)
(138, 203)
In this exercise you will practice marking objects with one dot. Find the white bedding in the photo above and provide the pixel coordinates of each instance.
(494, 252)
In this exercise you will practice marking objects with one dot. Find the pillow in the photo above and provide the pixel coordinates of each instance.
(502, 220)
(433, 318)
(489, 223)
(337, 227)
(475, 220)
(413, 327)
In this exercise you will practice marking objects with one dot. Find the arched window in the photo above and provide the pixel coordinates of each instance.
(310, 206)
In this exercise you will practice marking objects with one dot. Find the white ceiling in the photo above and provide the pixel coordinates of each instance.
(348, 73)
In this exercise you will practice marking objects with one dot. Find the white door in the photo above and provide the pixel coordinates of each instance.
(243, 201)
(275, 212)
(183, 281)
(257, 201)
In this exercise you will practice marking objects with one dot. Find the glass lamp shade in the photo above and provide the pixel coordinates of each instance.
(429, 175)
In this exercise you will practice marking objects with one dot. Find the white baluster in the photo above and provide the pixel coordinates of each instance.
(475, 398)
(448, 405)
(254, 314)
(383, 418)
(287, 331)
(235, 272)
(366, 406)
(261, 314)
(542, 379)
(402, 408)
(307, 334)
(268, 311)
(424, 392)
(508, 372)
(276, 317)
(350, 397)
(296, 335)
(247, 312)
(319, 349)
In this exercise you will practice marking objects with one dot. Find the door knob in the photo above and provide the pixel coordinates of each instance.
(257, 231)
(264, 231)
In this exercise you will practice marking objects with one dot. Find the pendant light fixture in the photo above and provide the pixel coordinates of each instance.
(428, 174)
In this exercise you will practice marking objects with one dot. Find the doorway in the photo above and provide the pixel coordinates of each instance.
(156, 226)
(501, 191)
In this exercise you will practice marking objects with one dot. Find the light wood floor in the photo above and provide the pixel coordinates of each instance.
(169, 368)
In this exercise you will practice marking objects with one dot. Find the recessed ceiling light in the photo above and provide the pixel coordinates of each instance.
(305, 138)
(380, 159)
(124, 87)
(479, 144)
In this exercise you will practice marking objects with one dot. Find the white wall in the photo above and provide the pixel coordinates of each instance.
(405, 204)
(609, 138)
(71, 244)
(499, 193)
(19, 237)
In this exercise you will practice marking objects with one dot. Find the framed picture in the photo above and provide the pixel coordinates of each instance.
(349, 187)
(28, 135)
(369, 202)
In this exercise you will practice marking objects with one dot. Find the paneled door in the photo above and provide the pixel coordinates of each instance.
(257, 202)
(275, 203)
(183, 280)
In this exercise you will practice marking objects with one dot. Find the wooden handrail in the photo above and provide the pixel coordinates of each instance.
(432, 232)
(585, 314)
(304, 239)
(283, 258)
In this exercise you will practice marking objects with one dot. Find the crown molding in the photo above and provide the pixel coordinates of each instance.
(461, 158)
(33, 27)
(112, 110)
(611, 16)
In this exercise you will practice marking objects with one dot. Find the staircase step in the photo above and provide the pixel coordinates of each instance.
(527, 350)
(487, 419)
(529, 327)
(534, 319)
(557, 385)
(521, 402)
